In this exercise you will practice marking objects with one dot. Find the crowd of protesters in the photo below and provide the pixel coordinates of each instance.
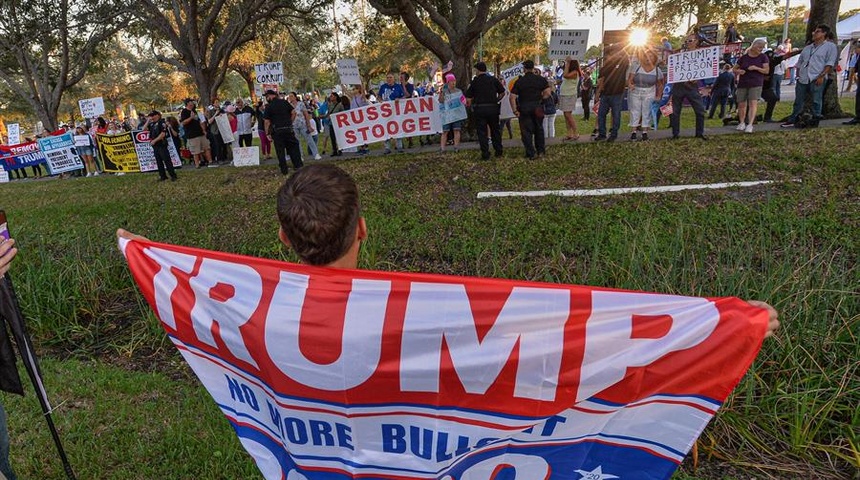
(635, 76)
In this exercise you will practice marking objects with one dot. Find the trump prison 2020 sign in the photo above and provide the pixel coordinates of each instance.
(340, 374)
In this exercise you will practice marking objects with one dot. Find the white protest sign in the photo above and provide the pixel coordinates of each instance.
(246, 156)
(224, 128)
(92, 107)
(82, 140)
(60, 153)
(568, 42)
(272, 72)
(402, 118)
(13, 131)
(347, 68)
(4, 176)
(694, 64)
(508, 78)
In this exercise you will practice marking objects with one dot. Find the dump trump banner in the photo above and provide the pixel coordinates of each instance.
(564, 43)
(338, 374)
(60, 153)
(695, 64)
(118, 153)
(406, 117)
(22, 155)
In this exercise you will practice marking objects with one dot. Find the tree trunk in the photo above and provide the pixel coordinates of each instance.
(826, 12)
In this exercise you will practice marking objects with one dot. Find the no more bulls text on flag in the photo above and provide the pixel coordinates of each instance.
(338, 374)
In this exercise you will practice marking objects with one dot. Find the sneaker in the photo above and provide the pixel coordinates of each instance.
(97, 173)
(599, 138)
(89, 174)
(644, 136)
(633, 136)
(317, 157)
(787, 124)
(741, 127)
(611, 138)
(749, 129)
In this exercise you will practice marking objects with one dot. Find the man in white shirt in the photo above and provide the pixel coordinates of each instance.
(817, 61)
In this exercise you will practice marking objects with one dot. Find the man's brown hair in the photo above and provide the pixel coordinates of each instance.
(318, 209)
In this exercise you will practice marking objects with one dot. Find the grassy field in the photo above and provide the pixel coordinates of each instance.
(128, 408)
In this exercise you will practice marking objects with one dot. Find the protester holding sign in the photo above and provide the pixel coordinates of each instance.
(453, 99)
(391, 91)
(751, 70)
(689, 91)
(86, 150)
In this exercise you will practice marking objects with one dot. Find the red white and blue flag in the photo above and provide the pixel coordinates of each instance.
(341, 374)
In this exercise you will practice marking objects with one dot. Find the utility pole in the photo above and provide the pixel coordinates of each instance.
(785, 25)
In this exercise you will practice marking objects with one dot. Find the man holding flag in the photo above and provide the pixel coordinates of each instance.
(545, 389)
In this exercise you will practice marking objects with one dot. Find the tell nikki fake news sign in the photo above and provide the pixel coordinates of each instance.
(407, 117)
(341, 374)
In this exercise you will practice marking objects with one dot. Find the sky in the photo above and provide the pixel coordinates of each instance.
(569, 17)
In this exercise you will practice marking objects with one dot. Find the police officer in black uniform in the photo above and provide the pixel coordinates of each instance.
(157, 128)
(484, 94)
(278, 120)
(526, 96)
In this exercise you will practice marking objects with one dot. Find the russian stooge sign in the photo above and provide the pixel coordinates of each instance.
(401, 118)
(340, 374)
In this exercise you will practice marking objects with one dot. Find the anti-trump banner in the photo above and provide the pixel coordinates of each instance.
(146, 155)
(60, 153)
(131, 152)
(406, 117)
(13, 157)
(694, 64)
(340, 374)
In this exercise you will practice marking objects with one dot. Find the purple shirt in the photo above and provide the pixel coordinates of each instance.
(751, 78)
